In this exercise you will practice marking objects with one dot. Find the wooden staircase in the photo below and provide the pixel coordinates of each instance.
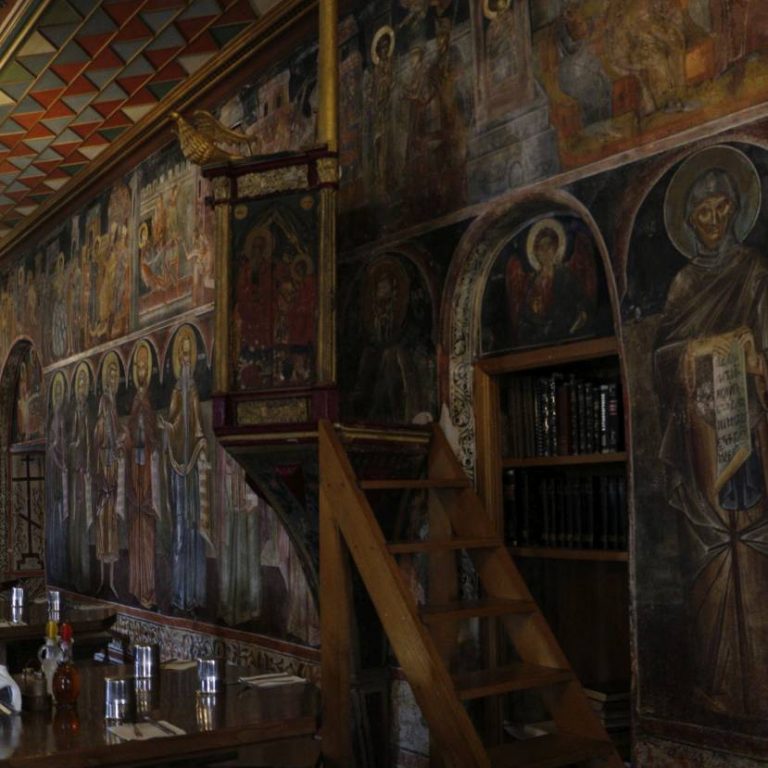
(424, 638)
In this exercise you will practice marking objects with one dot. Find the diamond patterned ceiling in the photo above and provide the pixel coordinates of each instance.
(87, 70)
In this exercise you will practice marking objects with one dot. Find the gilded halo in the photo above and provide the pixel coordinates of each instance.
(381, 32)
(742, 173)
(530, 241)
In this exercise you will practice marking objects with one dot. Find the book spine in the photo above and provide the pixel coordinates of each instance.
(613, 513)
(511, 523)
(589, 511)
(525, 510)
(603, 490)
(509, 425)
(603, 418)
(575, 432)
(564, 426)
(613, 421)
(623, 517)
(553, 418)
(540, 417)
(582, 416)
(562, 512)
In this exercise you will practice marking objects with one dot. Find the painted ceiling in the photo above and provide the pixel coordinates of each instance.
(76, 74)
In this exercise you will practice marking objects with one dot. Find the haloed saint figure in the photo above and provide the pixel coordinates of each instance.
(187, 464)
(107, 459)
(551, 297)
(710, 366)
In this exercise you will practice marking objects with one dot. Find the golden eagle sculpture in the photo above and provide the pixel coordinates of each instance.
(202, 136)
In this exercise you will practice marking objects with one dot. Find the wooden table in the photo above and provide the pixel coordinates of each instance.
(238, 716)
(85, 618)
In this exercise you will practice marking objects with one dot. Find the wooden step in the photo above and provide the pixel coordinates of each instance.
(441, 545)
(409, 484)
(469, 609)
(550, 751)
(512, 677)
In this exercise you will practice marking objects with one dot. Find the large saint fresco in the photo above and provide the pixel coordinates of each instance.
(387, 365)
(696, 342)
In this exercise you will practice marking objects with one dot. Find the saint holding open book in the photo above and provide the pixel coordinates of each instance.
(710, 363)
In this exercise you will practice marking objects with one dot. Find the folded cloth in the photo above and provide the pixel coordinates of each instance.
(179, 665)
(271, 680)
(144, 731)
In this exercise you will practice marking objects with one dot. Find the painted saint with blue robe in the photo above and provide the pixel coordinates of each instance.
(187, 467)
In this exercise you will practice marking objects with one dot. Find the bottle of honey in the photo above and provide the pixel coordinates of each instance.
(66, 679)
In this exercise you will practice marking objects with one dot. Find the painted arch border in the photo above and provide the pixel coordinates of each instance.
(468, 273)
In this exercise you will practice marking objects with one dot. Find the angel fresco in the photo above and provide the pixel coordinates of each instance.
(551, 295)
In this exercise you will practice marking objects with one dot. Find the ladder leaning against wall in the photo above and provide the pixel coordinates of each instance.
(424, 636)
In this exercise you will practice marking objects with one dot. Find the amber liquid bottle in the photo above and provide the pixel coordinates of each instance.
(66, 679)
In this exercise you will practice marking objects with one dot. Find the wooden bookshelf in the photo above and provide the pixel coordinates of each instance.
(563, 553)
(583, 590)
(571, 460)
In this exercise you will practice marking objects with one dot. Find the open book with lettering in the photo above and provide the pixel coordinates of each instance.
(720, 391)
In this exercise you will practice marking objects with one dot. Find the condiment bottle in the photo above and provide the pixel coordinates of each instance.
(50, 654)
(66, 679)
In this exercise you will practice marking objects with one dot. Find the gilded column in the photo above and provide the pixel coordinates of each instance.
(328, 171)
(221, 379)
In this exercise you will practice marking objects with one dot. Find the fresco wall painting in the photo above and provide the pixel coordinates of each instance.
(446, 104)
(131, 463)
(387, 362)
(175, 236)
(274, 324)
(696, 347)
(23, 476)
(135, 512)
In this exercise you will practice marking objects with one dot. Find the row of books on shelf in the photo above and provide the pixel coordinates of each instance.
(562, 415)
(579, 512)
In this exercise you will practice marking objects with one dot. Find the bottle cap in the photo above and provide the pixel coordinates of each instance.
(66, 632)
(51, 629)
